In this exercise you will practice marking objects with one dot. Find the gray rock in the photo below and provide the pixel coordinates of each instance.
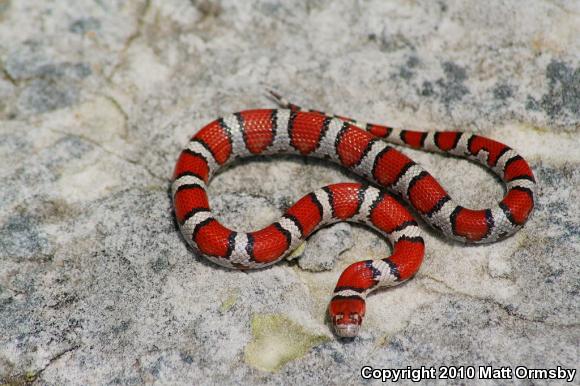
(84, 25)
(45, 95)
(324, 247)
(563, 96)
(98, 97)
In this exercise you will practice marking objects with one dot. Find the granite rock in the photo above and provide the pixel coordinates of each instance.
(324, 247)
(98, 97)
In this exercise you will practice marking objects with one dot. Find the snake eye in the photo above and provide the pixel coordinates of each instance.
(356, 318)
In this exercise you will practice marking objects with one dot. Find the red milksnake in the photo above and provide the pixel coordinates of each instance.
(359, 147)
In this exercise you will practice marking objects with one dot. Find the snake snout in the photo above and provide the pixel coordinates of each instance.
(347, 327)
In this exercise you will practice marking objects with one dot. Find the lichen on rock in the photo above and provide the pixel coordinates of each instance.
(278, 340)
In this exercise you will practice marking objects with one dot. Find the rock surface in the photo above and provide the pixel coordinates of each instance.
(98, 97)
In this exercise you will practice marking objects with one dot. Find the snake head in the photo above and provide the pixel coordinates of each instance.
(347, 315)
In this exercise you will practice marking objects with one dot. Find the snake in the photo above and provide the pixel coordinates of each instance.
(392, 181)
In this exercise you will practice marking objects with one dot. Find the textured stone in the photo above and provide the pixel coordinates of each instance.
(324, 247)
(98, 97)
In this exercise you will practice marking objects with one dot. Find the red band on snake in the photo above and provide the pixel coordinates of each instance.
(361, 148)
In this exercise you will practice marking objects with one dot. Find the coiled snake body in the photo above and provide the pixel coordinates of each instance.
(361, 148)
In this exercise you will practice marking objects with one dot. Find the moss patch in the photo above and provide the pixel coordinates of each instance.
(277, 341)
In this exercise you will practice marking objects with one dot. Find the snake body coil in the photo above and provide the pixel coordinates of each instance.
(361, 148)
